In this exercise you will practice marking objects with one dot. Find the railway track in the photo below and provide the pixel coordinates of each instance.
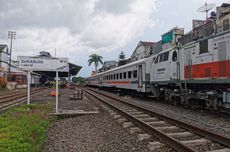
(176, 134)
(16, 98)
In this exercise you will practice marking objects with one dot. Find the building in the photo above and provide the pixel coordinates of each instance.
(171, 38)
(107, 65)
(4, 60)
(223, 17)
(144, 49)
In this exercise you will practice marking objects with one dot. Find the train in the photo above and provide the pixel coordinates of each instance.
(195, 73)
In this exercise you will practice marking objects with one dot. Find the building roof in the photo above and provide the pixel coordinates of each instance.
(145, 43)
(2, 47)
(225, 5)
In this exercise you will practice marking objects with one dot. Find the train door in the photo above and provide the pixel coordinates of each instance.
(222, 56)
(188, 64)
(163, 69)
(140, 76)
(174, 65)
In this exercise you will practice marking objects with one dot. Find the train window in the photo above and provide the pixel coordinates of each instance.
(117, 76)
(120, 75)
(129, 74)
(124, 75)
(166, 56)
(135, 74)
(157, 59)
(161, 57)
(174, 56)
(203, 46)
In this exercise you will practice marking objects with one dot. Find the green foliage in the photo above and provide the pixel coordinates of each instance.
(78, 80)
(23, 129)
(96, 59)
(122, 56)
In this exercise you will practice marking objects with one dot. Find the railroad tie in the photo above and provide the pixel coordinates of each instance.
(134, 129)
(127, 124)
(196, 141)
(153, 146)
(221, 150)
(144, 136)
(179, 134)
(149, 119)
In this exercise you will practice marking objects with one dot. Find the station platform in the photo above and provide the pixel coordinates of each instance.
(67, 105)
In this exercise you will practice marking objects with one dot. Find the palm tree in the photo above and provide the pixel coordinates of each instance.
(96, 59)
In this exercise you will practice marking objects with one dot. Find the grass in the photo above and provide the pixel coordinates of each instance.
(24, 128)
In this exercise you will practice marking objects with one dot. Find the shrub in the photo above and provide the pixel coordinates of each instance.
(3, 82)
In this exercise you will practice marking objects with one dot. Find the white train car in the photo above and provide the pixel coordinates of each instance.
(134, 76)
(199, 70)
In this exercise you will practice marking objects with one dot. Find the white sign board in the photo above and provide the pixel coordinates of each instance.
(43, 64)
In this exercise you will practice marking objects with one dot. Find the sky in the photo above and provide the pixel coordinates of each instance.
(78, 28)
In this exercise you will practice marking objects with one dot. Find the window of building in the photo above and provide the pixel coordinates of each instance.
(124, 75)
(135, 74)
(129, 74)
(226, 25)
(174, 56)
(120, 75)
(117, 76)
(203, 46)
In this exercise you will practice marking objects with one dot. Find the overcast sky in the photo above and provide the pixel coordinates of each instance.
(78, 28)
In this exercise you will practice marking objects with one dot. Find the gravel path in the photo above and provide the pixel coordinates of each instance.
(96, 132)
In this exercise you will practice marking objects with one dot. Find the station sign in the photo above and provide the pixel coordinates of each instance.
(43, 64)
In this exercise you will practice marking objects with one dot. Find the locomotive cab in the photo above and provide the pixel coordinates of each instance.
(165, 69)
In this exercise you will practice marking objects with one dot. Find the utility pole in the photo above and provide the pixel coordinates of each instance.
(11, 36)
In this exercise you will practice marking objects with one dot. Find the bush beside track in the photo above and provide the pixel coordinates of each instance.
(24, 128)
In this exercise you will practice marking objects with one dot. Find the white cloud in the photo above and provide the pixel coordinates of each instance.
(74, 26)
(92, 27)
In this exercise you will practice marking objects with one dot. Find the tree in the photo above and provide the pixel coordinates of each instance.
(80, 80)
(122, 56)
(96, 59)
(122, 60)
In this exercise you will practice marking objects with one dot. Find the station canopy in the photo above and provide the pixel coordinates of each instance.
(73, 68)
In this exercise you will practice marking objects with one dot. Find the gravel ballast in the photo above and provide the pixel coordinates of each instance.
(97, 132)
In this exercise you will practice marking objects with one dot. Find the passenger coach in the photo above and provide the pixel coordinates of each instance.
(133, 77)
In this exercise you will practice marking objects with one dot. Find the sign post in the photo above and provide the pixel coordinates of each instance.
(28, 87)
(43, 64)
(57, 92)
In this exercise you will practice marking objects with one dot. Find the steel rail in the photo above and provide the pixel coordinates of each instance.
(195, 129)
(17, 100)
(15, 96)
(175, 144)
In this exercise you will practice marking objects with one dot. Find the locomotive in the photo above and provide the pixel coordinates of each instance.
(194, 71)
